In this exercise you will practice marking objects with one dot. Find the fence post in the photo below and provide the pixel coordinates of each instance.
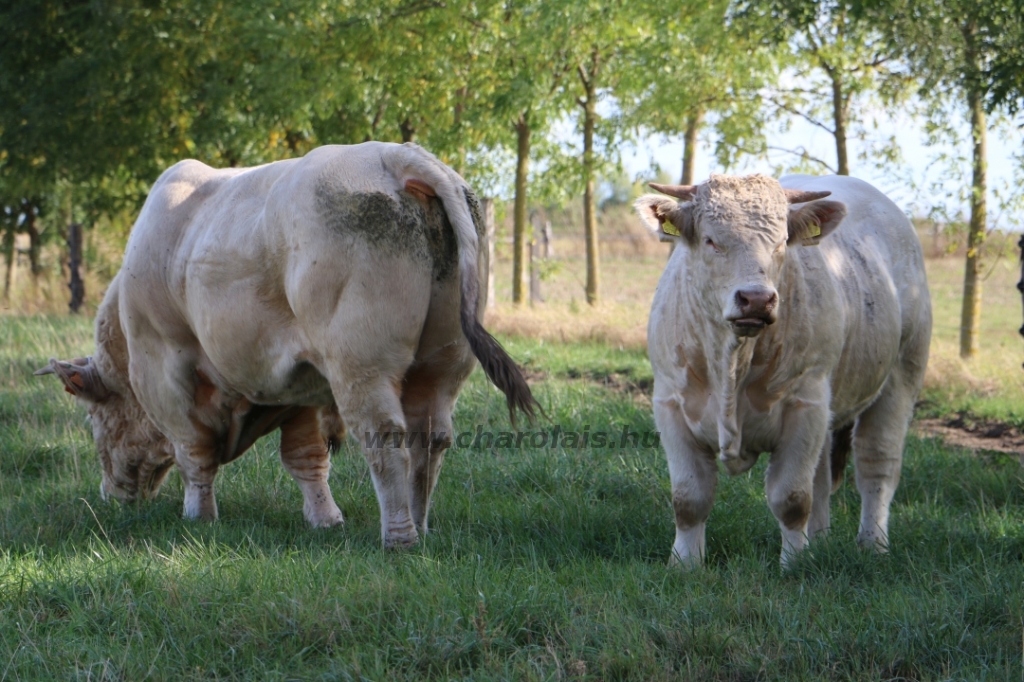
(549, 240)
(76, 283)
(535, 295)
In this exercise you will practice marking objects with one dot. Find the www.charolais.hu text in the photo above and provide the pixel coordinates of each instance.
(555, 437)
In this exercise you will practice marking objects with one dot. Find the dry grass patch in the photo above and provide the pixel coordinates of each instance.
(990, 386)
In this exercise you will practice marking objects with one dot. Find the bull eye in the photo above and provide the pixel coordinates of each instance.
(710, 242)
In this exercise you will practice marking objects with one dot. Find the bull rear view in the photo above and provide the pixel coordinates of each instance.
(341, 287)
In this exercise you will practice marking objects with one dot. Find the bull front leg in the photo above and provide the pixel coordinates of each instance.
(198, 466)
(794, 468)
(305, 456)
(694, 476)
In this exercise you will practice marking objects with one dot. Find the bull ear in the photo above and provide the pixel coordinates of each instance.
(811, 222)
(669, 219)
(80, 377)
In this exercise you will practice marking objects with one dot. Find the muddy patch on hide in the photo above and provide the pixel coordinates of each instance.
(402, 226)
(476, 211)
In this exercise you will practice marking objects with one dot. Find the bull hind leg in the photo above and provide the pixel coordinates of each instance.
(429, 392)
(827, 479)
(374, 411)
(878, 440)
(305, 456)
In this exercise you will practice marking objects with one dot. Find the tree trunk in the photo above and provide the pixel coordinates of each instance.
(408, 130)
(693, 124)
(839, 105)
(970, 316)
(589, 209)
(520, 240)
(76, 283)
(34, 242)
(8, 246)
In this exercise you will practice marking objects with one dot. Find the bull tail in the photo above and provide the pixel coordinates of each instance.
(420, 172)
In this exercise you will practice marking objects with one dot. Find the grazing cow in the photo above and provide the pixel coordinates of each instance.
(342, 284)
(762, 340)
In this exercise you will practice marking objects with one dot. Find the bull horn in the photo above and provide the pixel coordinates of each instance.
(801, 196)
(45, 370)
(49, 369)
(684, 192)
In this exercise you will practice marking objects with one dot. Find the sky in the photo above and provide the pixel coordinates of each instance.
(910, 184)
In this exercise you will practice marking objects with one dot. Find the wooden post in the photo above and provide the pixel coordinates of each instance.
(1020, 284)
(76, 283)
(535, 295)
(549, 240)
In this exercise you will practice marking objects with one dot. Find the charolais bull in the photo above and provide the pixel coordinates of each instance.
(339, 288)
(790, 324)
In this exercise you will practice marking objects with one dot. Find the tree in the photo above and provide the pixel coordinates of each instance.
(697, 67)
(950, 44)
(836, 59)
(602, 40)
(525, 69)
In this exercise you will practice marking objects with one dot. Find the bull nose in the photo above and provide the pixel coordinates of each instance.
(756, 302)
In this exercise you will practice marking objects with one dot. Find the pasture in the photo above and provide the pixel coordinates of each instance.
(544, 563)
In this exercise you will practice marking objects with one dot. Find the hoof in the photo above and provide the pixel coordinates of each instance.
(871, 541)
(402, 539)
(324, 515)
(685, 565)
(328, 521)
(737, 464)
(208, 515)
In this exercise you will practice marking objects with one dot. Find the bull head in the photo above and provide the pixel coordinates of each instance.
(135, 456)
(735, 231)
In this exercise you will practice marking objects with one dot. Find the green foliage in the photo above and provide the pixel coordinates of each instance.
(544, 563)
(835, 64)
(695, 61)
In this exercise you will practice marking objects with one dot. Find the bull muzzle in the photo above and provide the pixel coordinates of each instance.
(753, 309)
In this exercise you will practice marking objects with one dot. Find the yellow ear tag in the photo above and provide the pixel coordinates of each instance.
(813, 235)
(669, 228)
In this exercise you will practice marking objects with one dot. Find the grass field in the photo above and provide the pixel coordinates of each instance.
(543, 564)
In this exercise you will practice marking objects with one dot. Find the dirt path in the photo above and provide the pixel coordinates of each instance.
(974, 435)
(956, 431)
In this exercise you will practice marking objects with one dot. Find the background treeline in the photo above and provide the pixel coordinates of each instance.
(529, 100)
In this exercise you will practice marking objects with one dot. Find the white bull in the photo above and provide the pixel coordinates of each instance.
(762, 340)
(263, 298)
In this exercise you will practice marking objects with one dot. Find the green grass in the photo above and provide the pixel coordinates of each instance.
(543, 563)
(990, 386)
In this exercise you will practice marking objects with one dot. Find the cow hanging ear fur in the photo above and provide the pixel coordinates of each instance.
(812, 221)
(667, 218)
(80, 377)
